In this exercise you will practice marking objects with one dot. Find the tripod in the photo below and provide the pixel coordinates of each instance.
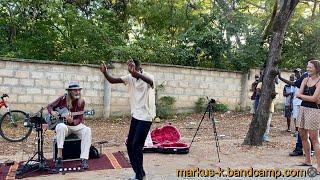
(39, 163)
(210, 110)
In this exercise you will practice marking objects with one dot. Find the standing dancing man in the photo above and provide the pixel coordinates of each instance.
(142, 104)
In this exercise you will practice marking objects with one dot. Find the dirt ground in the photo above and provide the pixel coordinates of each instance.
(232, 128)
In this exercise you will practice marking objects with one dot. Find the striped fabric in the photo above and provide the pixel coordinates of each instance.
(116, 160)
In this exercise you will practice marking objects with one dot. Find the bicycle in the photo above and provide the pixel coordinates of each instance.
(14, 124)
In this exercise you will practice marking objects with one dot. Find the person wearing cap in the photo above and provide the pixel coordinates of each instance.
(142, 103)
(288, 93)
(254, 92)
(73, 101)
(296, 106)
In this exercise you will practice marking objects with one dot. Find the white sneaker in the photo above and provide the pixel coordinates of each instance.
(133, 178)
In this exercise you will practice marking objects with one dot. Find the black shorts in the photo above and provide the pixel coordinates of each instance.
(287, 111)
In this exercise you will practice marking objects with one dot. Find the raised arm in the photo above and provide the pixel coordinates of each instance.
(109, 77)
(285, 80)
(138, 74)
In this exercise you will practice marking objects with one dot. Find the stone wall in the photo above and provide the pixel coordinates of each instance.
(33, 84)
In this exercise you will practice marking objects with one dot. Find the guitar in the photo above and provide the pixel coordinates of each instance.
(53, 121)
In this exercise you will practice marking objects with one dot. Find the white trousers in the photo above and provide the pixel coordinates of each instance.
(83, 132)
(268, 125)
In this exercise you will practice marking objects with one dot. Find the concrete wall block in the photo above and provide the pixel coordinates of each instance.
(183, 98)
(52, 98)
(179, 91)
(194, 84)
(199, 92)
(19, 106)
(185, 71)
(212, 86)
(119, 94)
(219, 80)
(98, 85)
(12, 99)
(184, 84)
(40, 99)
(41, 83)
(168, 76)
(204, 85)
(13, 65)
(89, 92)
(57, 84)
(214, 73)
(188, 77)
(81, 77)
(95, 77)
(37, 75)
(228, 81)
(2, 64)
(69, 77)
(172, 84)
(57, 68)
(1, 80)
(53, 75)
(22, 74)
(97, 100)
(27, 82)
(33, 91)
(49, 92)
(158, 75)
(194, 98)
(199, 78)
(25, 99)
(5, 89)
(7, 73)
(209, 79)
(10, 81)
(86, 85)
(195, 72)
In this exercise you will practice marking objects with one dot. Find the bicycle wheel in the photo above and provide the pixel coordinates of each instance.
(12, 126)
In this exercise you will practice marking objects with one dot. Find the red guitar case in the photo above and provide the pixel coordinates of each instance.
(167, 140)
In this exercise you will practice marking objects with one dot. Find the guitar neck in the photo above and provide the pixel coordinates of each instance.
(77, 113)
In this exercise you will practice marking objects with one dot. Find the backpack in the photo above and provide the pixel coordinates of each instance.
(93, 153)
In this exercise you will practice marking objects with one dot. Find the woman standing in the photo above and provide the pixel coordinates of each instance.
(309, 120)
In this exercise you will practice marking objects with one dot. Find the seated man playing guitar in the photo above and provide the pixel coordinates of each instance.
(73, 122)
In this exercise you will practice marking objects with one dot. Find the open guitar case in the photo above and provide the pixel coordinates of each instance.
(166, 140)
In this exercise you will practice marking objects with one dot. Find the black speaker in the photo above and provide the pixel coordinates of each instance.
(71, 149)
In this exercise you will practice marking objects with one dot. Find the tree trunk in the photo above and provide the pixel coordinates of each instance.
(259, 122)
(267, 29)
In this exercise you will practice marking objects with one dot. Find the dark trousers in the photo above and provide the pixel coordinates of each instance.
(135, 142)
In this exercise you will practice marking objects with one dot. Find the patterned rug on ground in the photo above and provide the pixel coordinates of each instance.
(115, 160)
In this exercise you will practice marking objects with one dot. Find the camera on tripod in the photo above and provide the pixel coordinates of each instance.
(210, 111)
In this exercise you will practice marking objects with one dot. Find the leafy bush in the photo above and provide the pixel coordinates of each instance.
(165, 107)
(200, 105)
(219, 107)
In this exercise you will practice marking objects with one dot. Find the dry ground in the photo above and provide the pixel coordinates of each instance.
(233, 126)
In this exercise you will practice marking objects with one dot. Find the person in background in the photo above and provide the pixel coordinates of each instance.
(296, 107)
(273, 95)
(288, 93)
(254, 92)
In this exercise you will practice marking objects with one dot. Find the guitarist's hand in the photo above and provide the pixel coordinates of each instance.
(55, 114)
(69, 118)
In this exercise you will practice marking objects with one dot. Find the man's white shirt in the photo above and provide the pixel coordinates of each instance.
(141, 97)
